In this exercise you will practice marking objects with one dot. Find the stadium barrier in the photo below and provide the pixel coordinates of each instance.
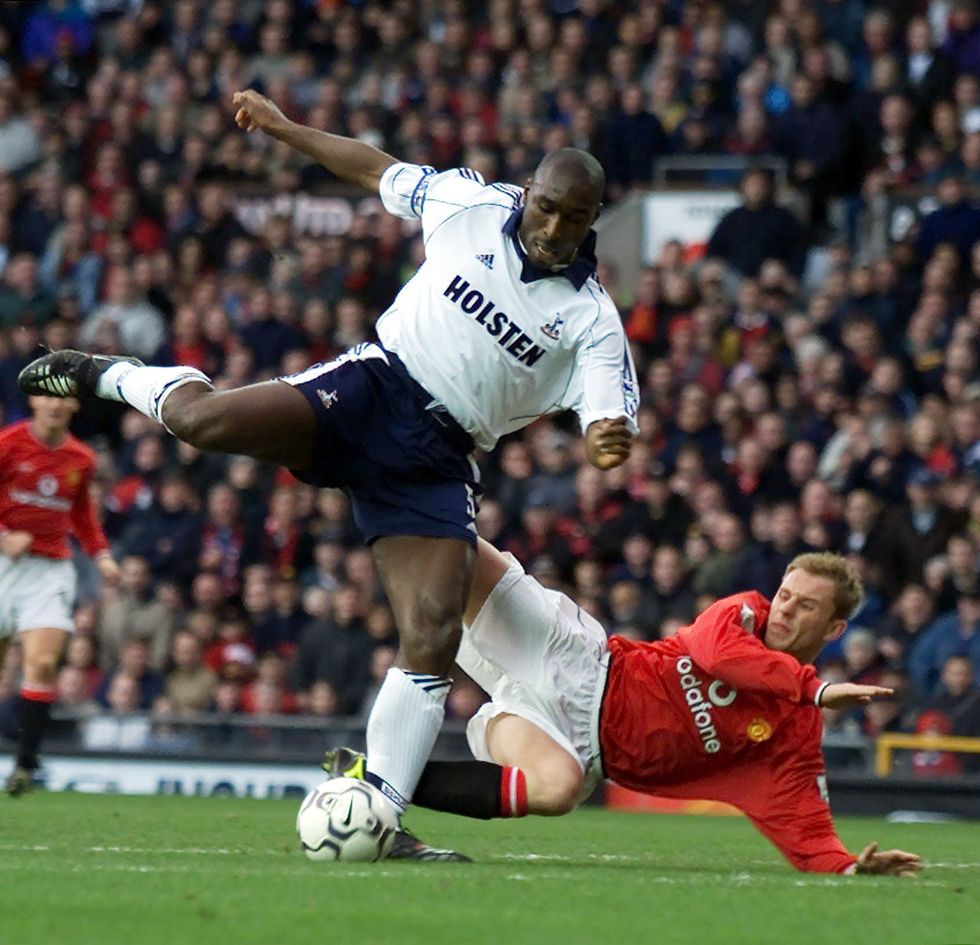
(279, 756)
(887, 743)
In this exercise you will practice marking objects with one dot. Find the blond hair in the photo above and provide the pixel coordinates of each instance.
(848, 589)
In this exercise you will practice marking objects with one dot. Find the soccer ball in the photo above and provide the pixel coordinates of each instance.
(346, 819)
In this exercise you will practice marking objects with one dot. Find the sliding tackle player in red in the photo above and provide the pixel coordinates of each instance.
(728, 709)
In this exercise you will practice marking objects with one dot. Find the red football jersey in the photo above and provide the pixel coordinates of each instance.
(44, 491)
(712, 713)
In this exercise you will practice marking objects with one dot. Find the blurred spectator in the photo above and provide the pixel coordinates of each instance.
(189, 686)
(958, 698)
(538, 535)
(80, 656)
(758, 230)
(337, 650)
(762, 563)
(126, 322)
(862, 664)
(132, 670)
(19, 141)
(168, 533)
(910, 615)
(23, 300)
(267, 694)
(916, 531)
(72, 691)
(671, 594)
(930, 762)
(135, 613)
(635, 138)
(962, 43)
(715, 576)
(953, 634)
(809, 136)
(231, 655)
(955, 221)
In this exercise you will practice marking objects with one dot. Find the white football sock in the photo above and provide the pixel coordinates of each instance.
(401, 731)
(146, 388)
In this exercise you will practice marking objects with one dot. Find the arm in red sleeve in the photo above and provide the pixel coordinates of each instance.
(792, 812)
(721, 641)
(85, 523)
(5, 464)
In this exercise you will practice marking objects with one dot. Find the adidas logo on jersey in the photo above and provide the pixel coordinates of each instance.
(486, 259)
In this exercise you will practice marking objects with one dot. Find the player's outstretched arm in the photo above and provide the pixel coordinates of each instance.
(608, 443)
(850, 695)
(351, 160)
(874, 862)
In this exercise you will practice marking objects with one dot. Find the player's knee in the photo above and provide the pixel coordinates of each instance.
(431, 634)
(43, 669)
(553, 792)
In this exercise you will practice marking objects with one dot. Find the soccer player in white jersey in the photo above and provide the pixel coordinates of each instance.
(502, 323)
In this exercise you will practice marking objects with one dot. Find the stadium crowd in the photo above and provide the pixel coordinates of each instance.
(801, 388)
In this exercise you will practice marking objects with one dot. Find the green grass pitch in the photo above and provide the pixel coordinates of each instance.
(100, 870)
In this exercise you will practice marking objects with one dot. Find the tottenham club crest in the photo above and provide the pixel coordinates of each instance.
(327, 398)
(553, 328)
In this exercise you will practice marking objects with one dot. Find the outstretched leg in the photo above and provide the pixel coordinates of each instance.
(427, 581)
(530, 774)
(271, 421)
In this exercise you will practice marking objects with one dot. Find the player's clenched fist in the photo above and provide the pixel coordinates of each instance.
(608, 442)
(257, 111)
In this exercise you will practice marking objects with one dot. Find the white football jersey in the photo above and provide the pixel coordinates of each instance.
(498, 351)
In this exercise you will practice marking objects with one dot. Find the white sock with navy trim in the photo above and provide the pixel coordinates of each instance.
(146, 388)
(402, 730)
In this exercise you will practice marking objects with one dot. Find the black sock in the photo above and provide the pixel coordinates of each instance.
(468, 788)
(34, 715)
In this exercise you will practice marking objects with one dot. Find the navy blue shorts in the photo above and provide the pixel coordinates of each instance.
(403, 461)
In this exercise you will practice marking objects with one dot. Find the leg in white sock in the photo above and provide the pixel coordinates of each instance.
(401, 731)
(146, 388)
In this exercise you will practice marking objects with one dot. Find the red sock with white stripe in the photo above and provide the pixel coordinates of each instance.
(513, 792)
(35, 710)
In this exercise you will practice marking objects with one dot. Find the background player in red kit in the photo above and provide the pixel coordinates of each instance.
(44, 498)
(727, 709)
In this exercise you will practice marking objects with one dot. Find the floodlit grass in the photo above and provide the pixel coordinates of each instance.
(79, 869)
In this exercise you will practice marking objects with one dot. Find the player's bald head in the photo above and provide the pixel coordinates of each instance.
(571, 167)
(561, 202)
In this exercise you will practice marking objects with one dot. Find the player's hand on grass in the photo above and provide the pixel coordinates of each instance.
(108, 569)
(14, 544)
(255, 111)
(875, 862)
(608, 443)
(848, 695)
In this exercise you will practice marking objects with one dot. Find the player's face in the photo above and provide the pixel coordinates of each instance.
(802, 617)
(54, 413)
(557, 218)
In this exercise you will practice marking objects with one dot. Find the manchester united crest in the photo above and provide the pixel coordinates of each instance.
(759, 730)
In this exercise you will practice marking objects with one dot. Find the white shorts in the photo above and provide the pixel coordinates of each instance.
(36, 592)
(542, 658)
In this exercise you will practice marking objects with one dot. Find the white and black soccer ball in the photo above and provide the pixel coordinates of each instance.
(346, 819)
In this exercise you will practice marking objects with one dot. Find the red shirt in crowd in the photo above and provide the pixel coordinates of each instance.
(44, 490)
(712, 713)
